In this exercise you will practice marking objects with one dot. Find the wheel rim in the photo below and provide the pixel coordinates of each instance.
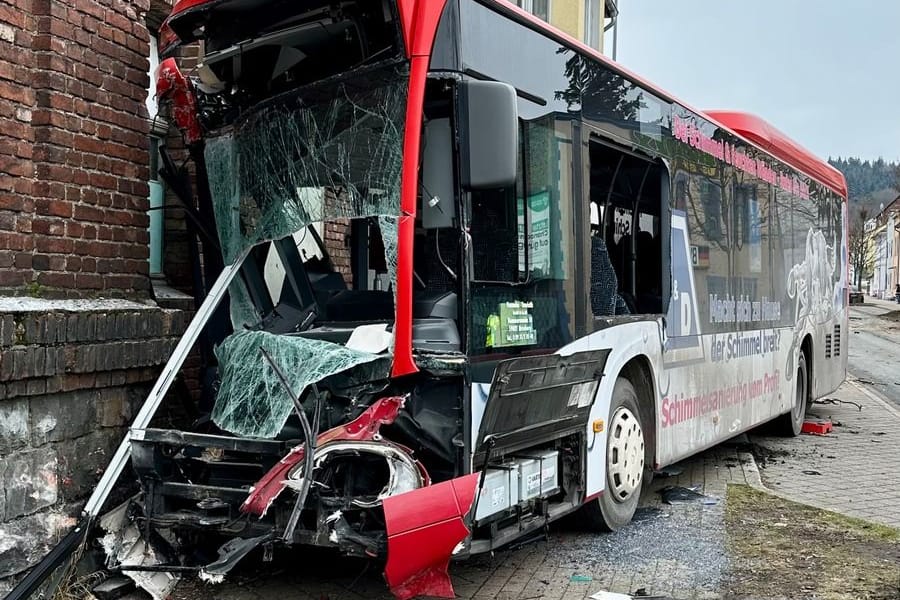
(625, 455)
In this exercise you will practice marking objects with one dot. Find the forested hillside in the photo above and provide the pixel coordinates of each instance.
(871, 183)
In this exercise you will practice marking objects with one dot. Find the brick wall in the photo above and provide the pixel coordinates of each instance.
(74, 166)
(72, 374)
(73, 147)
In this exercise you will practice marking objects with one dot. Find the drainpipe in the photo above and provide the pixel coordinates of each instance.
(613, 13)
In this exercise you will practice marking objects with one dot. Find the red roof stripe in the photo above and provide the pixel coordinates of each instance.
(766, 136)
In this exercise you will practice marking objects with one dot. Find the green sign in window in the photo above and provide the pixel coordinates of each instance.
(513, 326)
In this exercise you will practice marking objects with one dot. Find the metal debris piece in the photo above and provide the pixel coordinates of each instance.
(670, 471)
(604, 595)
(230, 554)
(675, 494)
(125, 547)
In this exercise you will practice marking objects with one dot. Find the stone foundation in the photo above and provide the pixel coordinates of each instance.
(72, 374)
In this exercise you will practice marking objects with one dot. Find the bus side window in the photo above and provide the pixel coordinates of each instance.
(495, 247)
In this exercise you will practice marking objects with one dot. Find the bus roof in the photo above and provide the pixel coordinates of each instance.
(763, 134)
(754, 130)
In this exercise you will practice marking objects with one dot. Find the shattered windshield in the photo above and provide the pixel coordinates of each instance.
(330, 150)
(251, 400)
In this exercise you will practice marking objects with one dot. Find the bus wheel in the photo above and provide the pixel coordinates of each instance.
(791, 424)
(624, 463)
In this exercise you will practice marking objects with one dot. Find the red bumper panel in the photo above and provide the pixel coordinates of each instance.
(424, 527)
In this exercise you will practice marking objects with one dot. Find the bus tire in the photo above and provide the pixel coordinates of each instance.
(791, 424)
(625, 455)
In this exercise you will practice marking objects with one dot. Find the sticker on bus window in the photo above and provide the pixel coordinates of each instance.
(513, 326)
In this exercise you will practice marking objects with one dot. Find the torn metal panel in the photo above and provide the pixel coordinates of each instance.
(365, 427)
(124, 547)
(148, 409)
(404, 473)
(230, 554)
(172, 84)
(252, 401)
(425, 528)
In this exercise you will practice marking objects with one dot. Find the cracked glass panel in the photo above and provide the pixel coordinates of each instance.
(331, 150)
(389, 227)
(251, 400)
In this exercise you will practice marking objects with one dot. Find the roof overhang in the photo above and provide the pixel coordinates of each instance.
(782, 147)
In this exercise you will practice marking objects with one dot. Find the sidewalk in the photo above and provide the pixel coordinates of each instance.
(854, 470)
(886, 304)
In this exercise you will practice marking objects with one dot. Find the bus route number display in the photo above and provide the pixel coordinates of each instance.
(513, 326)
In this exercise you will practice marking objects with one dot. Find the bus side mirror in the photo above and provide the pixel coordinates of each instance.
(489, 134)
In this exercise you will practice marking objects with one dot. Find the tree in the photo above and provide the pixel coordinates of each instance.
(860, 258)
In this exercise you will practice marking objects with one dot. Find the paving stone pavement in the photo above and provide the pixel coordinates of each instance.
(676, 551)
(854, 470)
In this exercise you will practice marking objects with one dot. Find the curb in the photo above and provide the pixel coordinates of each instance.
(875, 397)
(751, 471)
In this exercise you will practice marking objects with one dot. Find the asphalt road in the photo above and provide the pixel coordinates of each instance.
(875, 347)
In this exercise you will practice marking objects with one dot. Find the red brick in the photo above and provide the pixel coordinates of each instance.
(88, 213)
(56, 279)
(23, 260)
(55, 244)
(56, 208)
(11, 278)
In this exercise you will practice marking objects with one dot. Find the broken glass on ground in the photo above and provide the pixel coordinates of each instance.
(251, 400)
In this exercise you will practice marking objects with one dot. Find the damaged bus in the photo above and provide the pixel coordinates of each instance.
(475, 277)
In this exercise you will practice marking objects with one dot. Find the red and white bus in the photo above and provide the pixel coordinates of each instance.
(479, 277)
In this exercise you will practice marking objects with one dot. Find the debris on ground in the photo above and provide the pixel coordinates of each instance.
(675, 494)
(765, 455)
(836, 402)
(577, 578)
(604, 595)
(776, 545)
(670, 471)
(816, 427)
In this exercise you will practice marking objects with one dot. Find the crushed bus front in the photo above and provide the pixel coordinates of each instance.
(337, 400)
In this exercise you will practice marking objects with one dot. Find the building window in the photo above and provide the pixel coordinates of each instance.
(157, 210)
(157, 189)
(539, 8)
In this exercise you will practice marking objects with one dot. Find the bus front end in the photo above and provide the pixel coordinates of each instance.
(336, 403)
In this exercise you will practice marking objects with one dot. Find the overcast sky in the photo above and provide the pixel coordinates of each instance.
(826, 72)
